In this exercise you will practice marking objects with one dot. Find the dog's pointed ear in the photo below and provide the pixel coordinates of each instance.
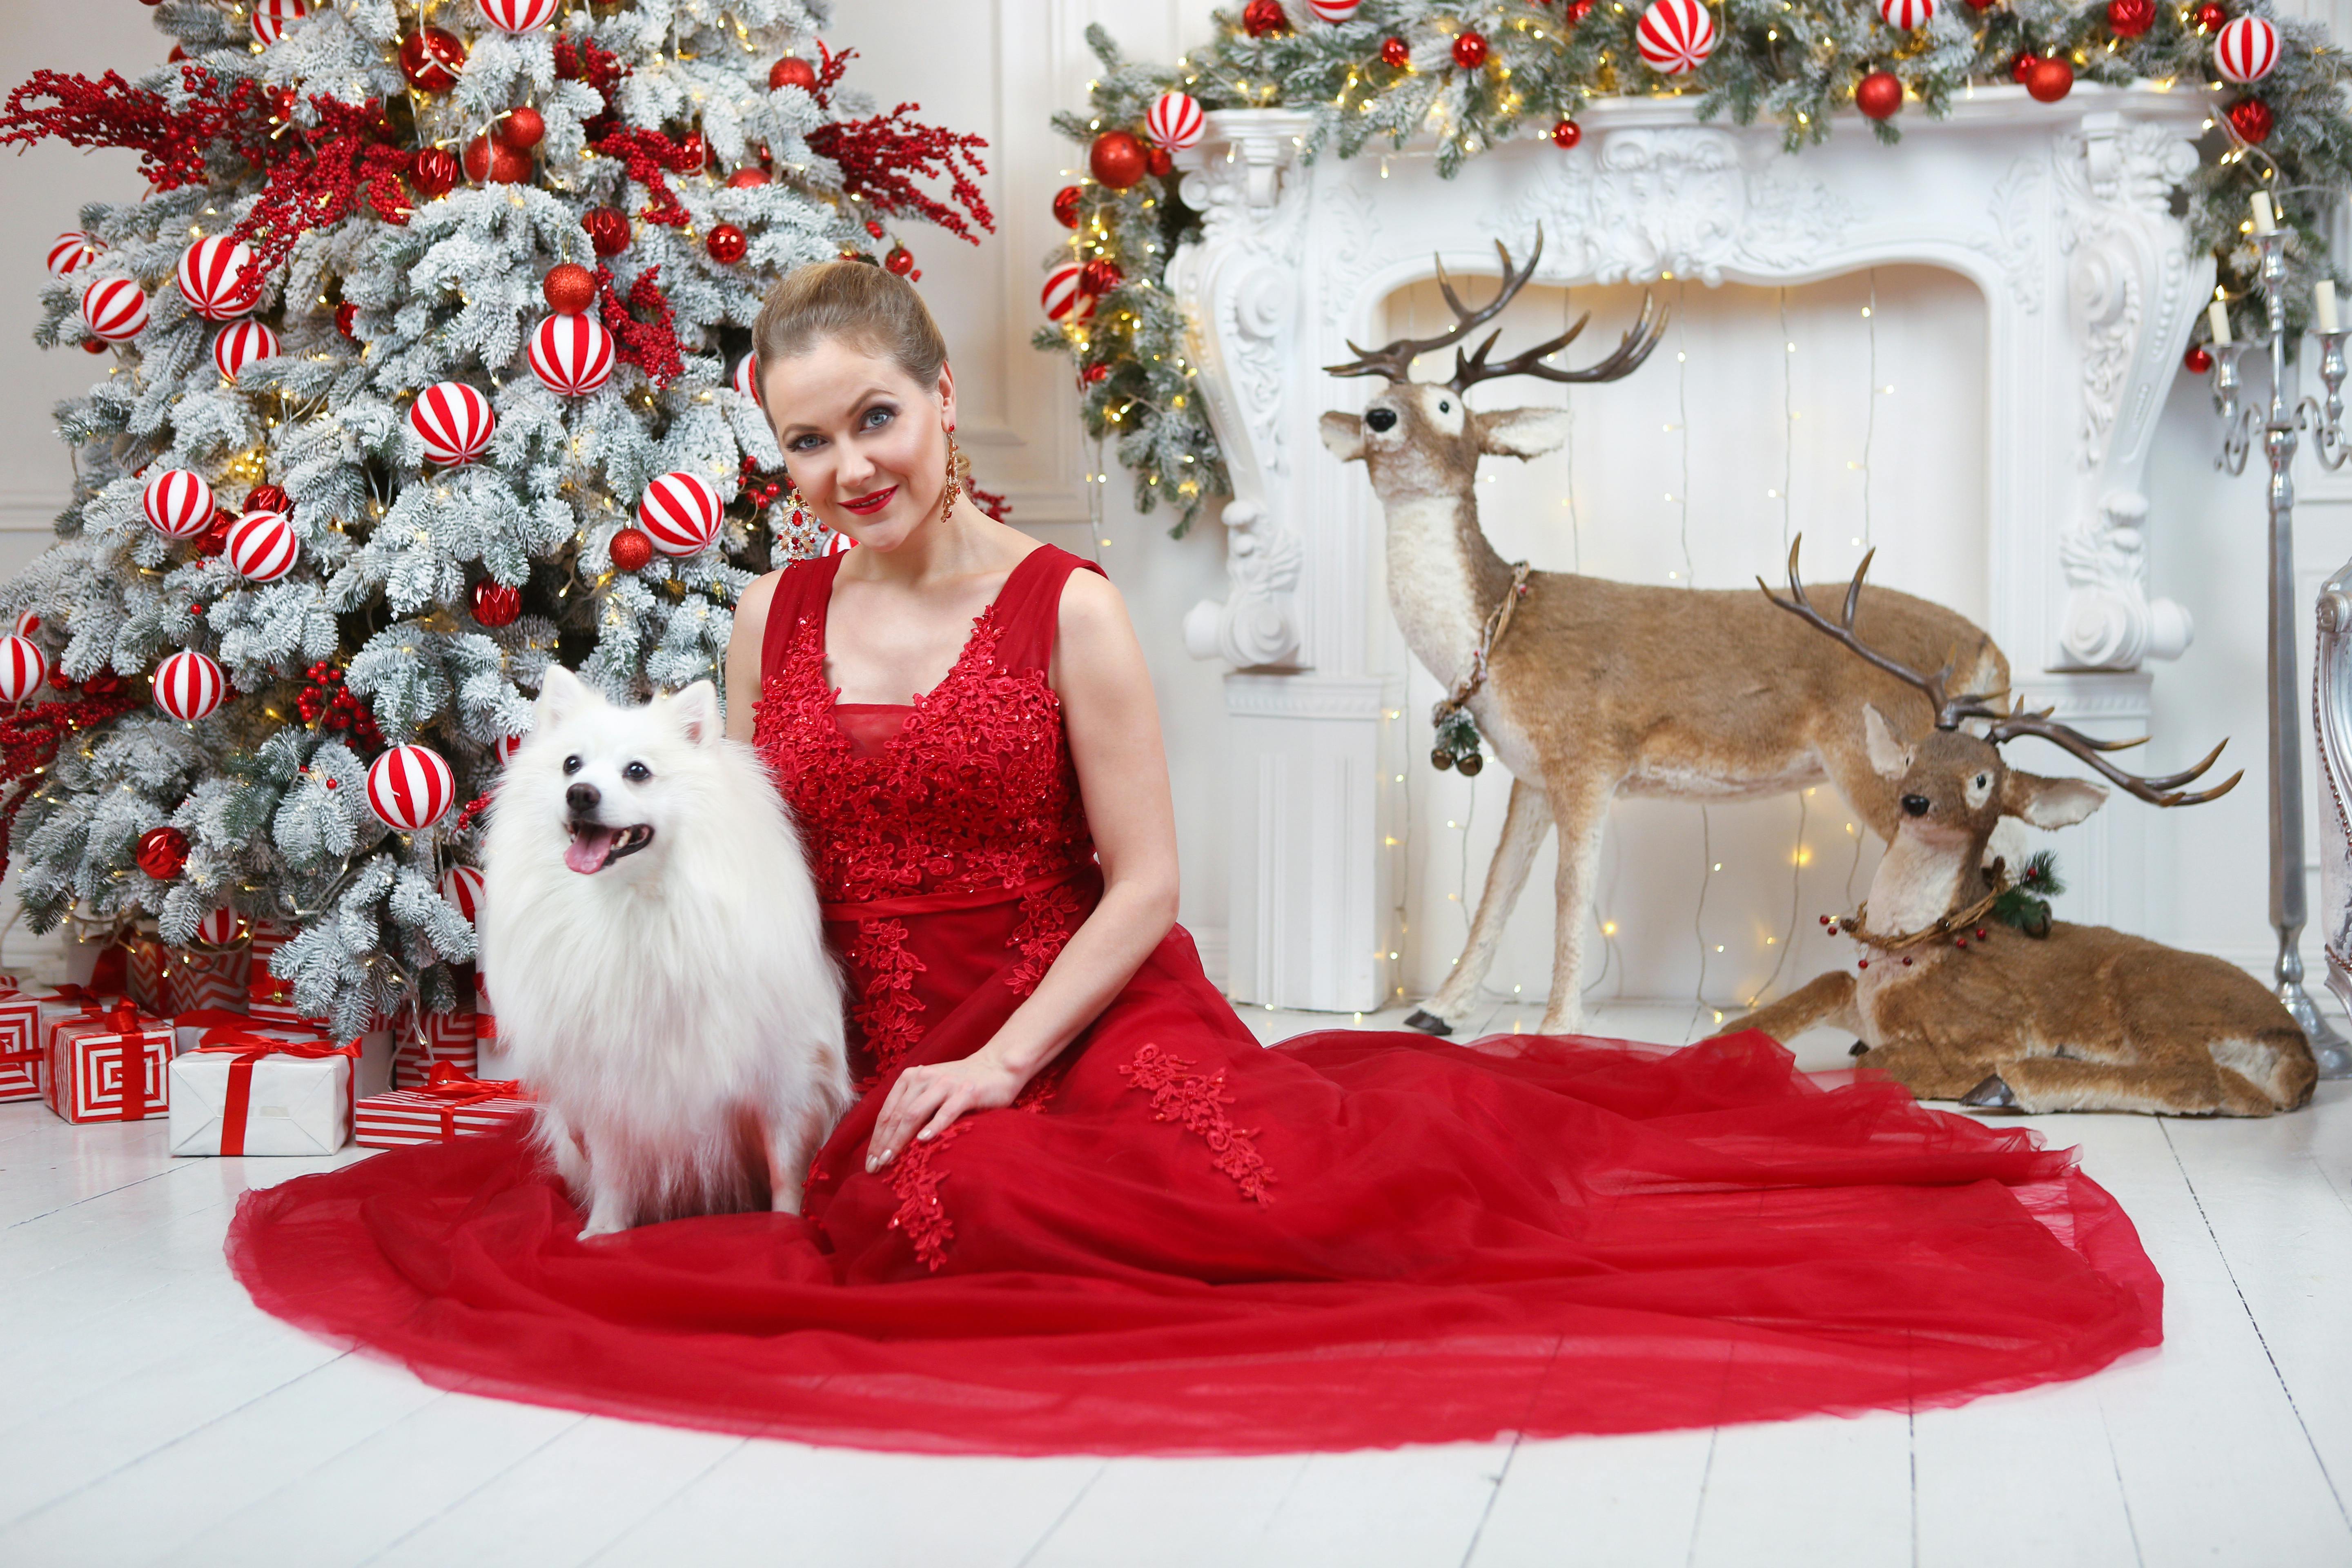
(695, 708)
(561, 695)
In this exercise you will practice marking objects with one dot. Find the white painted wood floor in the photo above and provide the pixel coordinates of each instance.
(149, 1414)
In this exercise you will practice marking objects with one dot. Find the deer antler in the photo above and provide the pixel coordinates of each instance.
(1952, 711)
(1394, 360)
(1634, 347)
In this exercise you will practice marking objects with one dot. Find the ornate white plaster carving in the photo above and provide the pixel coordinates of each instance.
(1256, 626)
(2016, 241)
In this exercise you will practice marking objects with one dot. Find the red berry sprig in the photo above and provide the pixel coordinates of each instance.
(328, 704)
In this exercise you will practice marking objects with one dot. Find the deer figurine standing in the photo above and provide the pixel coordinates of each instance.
(1956, 1006)
(1592, 688)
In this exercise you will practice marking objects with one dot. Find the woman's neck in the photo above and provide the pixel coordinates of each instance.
(967, 543)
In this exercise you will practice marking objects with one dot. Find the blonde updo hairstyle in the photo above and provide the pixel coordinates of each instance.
(858, 302)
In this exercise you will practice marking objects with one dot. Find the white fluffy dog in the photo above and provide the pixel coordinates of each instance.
(652, 946)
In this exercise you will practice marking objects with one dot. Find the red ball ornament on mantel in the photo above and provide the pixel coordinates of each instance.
(434, 172)
(1158, 162)
(495, 603)
(745, 179)
(1117, 159)
(1578, 10)
(1095, 374)
(1396, 54)
(2050, 80)
(521, 130)
(791, 71)
(607, 229)
(1879, 95)
(431, 60)
(1567, 134)
(568, 287)
(2210, 17)
(2130, 19)
(1065, 205)
(727, 243)
(162, 852)
(2251, 119)
(2196, 361)
(630, 551)
(2023, 67)
(901, 261)
(487, 162)
(1469, 50)
(1263, 18)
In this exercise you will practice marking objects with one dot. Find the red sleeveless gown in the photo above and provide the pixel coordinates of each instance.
(1178, 1240)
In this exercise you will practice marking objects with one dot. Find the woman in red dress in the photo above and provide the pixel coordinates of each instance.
(1078, 1208)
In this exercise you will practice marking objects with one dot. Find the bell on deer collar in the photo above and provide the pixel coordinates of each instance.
(1470, 764)
(1441, 759)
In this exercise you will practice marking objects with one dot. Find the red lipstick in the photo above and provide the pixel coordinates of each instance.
(866, 506)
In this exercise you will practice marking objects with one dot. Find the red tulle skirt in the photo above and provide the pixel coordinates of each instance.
(1185, 1242)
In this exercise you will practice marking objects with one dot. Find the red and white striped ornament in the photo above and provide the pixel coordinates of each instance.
(219, 928)
(838, 544)
(508, 746)
(189, 685)
(1174, 121)
(271, 18)
(28, 623)
(178, 503)
(2245, 50)
(238, 345)
(209, 270)
(1906, 15)
(454, 421)
(1333, 11)
(410, 788)
(114, 308)
(572, 355)
(23, 667)
(747, 376)
(1063, 298)
(262, 546)
(517, 16)
(680, 513)
(1675, 36)
(462, 886)
(70, 252)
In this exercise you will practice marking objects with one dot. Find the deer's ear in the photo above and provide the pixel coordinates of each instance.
(1889, 758)
(1343, 434)
(2050, 803)
(1521, 431)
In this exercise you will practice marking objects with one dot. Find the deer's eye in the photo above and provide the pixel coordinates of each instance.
(1982, 780)
(1443, 407)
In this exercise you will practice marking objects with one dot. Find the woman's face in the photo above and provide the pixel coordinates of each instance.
(866, 446)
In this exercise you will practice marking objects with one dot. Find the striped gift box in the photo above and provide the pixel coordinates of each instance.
(444, 1038)
(110, 1067)
(423, 1116)
(22, 1045)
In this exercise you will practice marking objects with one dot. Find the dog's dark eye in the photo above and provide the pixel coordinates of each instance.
(572, 763)
(636, 773)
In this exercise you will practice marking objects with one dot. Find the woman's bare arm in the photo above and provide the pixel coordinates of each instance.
(1113, 724)
(743, 649)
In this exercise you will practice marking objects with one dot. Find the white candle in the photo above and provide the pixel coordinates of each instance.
(2324, 297)
(2264, 222)
(2217, 316)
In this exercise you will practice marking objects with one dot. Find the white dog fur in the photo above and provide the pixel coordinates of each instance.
(667, 1000)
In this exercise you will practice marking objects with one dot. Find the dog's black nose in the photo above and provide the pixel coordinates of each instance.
(582, 798)
(1381, 419)
(1916, 805)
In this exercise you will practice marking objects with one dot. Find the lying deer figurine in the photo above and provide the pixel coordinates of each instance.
(1956, 1006)
(1598, 688)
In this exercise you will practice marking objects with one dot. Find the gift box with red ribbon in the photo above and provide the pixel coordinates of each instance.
(248, 1091)
(451, 1103)
(29, 1015)
(113, 1066)
(438, 1038)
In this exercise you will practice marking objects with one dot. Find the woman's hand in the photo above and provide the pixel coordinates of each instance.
(932, 1098)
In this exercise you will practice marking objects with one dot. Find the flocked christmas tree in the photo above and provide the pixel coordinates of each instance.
(426, 369)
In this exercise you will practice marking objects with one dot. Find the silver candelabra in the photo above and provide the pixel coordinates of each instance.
(2332, 446)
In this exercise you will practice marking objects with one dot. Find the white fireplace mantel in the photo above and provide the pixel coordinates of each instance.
(2062, 215)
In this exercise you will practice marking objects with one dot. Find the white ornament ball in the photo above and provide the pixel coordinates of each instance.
(410, 788)
(1063, 299)
(461, 886)
(271, 18)
(454, 421)
(747, 376)
(2245, 50)
(1174, 121)
(178, 503)
(239, 344)
(680, 513)
(518, 15)
(209, 270)
(262, 546)
(189, 685)
(1333, 11)
(114, 308)
(23, 667)
(1907, 14)
(70, 252)
(572, 355)
(1675, 36)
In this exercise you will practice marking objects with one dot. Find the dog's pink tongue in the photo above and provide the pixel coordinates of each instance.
(589, 850)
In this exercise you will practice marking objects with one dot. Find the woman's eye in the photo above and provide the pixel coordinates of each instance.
(876, 417)
(636, 773)
(803, 443)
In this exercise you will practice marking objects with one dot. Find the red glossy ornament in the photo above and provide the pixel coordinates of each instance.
(1117, 159)
(431, 59)
(791, 71)
(744, 179)
(1396, 54)
(2130, 19)
(268, 498)
(630, 550)
(162, 852)
(214, 539)
(1158, 162)
(1262, 18)
(520, 131)
(1567, 134)
(1470, 50)
(1065, 205)
(1100, 276)
(2050, 80)
(727, 243)
(1094, 374)
(692, 147)
(2210, 17)
(607, 229)
(495, 603)
(2251, 119)
(1879, 95)
(487, 162)
(2023, 67)
(95, 345)
(568, 287)
(345, 314)
(2196, 361)
(1578, 10)
(900, 261)
(434, 172)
